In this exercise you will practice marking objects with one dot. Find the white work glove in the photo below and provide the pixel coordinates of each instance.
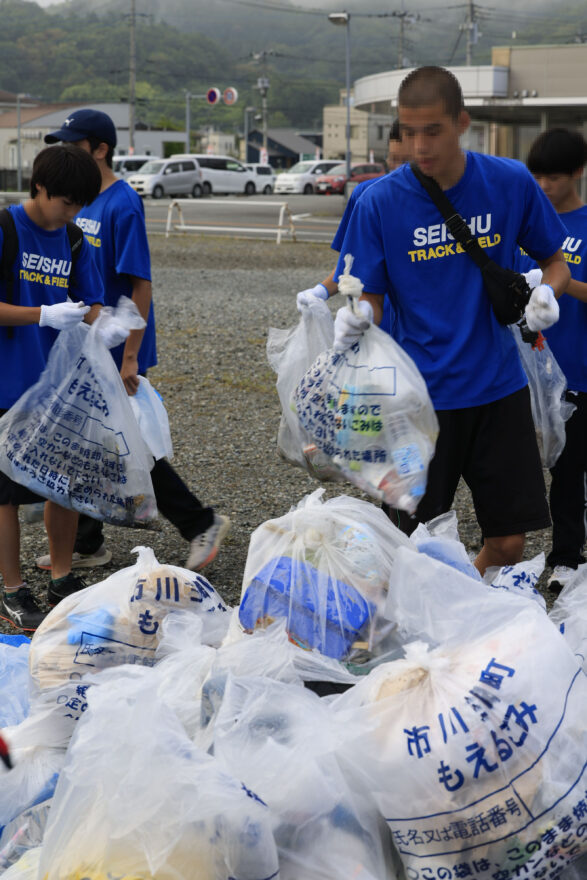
(542, 310)
(348, 327)
(533, 277)
(305, 297)
(63, 315)
(112, 333)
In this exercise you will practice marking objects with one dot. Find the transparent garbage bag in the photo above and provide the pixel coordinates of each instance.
(183, 664)
(149, 804)
(367, 409)
(23, 834)
(72, 436)
(569, 614)
(291, 352)
(520, 578)
(14, 683)
(31, 781)
(547, 384)
(114, 622)
(26, 868)
(267, 653)
(281, 740)
(478, 743)
(324, 568)
(151, 415)
(439, 538)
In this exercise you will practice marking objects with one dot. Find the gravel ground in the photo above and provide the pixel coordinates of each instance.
(215, 301)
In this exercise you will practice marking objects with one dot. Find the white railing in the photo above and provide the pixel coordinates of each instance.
(13, 197)
(280, 229)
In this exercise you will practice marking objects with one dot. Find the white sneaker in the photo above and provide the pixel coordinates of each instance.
(204, 547)
(102, 556)
(560, 577)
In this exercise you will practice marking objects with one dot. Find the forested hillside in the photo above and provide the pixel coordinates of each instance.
(79, 49)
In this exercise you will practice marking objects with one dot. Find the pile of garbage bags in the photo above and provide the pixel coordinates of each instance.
(371, 709)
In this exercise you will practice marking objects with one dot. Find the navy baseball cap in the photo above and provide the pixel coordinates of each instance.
(83, 124)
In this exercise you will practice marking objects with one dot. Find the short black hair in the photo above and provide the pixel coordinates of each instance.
(68, 171)
(95, 142)
(395, 132)
(557, 151)
(427, 85)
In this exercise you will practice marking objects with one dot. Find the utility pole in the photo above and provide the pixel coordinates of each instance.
(400, 49)
(263, 88)
(470, 27)
(132, 77)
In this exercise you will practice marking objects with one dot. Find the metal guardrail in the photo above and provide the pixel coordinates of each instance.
(13, 198)
(182, 226)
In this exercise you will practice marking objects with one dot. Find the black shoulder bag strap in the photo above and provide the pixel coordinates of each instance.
(508, 290)
(76, 238)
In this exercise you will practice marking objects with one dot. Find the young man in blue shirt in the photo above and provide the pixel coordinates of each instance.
(557, 159)
(442, 312)
(62, 181)
(114, 224)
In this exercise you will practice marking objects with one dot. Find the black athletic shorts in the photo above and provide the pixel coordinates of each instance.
(494, 448)
(14, 493)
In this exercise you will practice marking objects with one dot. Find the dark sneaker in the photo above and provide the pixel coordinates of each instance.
(21, 610)
(64, 586)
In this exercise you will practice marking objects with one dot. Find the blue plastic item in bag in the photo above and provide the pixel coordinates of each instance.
(321, 611)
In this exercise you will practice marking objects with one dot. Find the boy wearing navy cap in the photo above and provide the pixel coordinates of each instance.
(114, 223)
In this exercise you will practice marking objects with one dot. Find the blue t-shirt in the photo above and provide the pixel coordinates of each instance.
(444, 318)
(41, 275)
(114, 224)
(567, 337)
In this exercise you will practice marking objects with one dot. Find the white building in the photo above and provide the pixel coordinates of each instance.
(525, 90)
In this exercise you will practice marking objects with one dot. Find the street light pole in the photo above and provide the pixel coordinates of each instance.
(132, 77)
(18, 143)
(344, 18)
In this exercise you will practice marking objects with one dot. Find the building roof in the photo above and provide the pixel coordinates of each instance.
(36, 116)
(51, 116)
(291, 140)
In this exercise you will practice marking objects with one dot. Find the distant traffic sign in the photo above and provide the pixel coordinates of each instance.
(213, 96)
(230, 95)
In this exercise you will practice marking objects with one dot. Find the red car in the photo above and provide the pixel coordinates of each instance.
(334, 180)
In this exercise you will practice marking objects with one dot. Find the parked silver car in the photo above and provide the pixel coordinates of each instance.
(175, 176)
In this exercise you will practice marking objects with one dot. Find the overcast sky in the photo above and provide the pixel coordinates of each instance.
(368, 5)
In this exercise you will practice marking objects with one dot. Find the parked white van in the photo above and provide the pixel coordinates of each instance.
(265, 177)
(301, 177)
(125, 165)
(175, 176)
(224, 174)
